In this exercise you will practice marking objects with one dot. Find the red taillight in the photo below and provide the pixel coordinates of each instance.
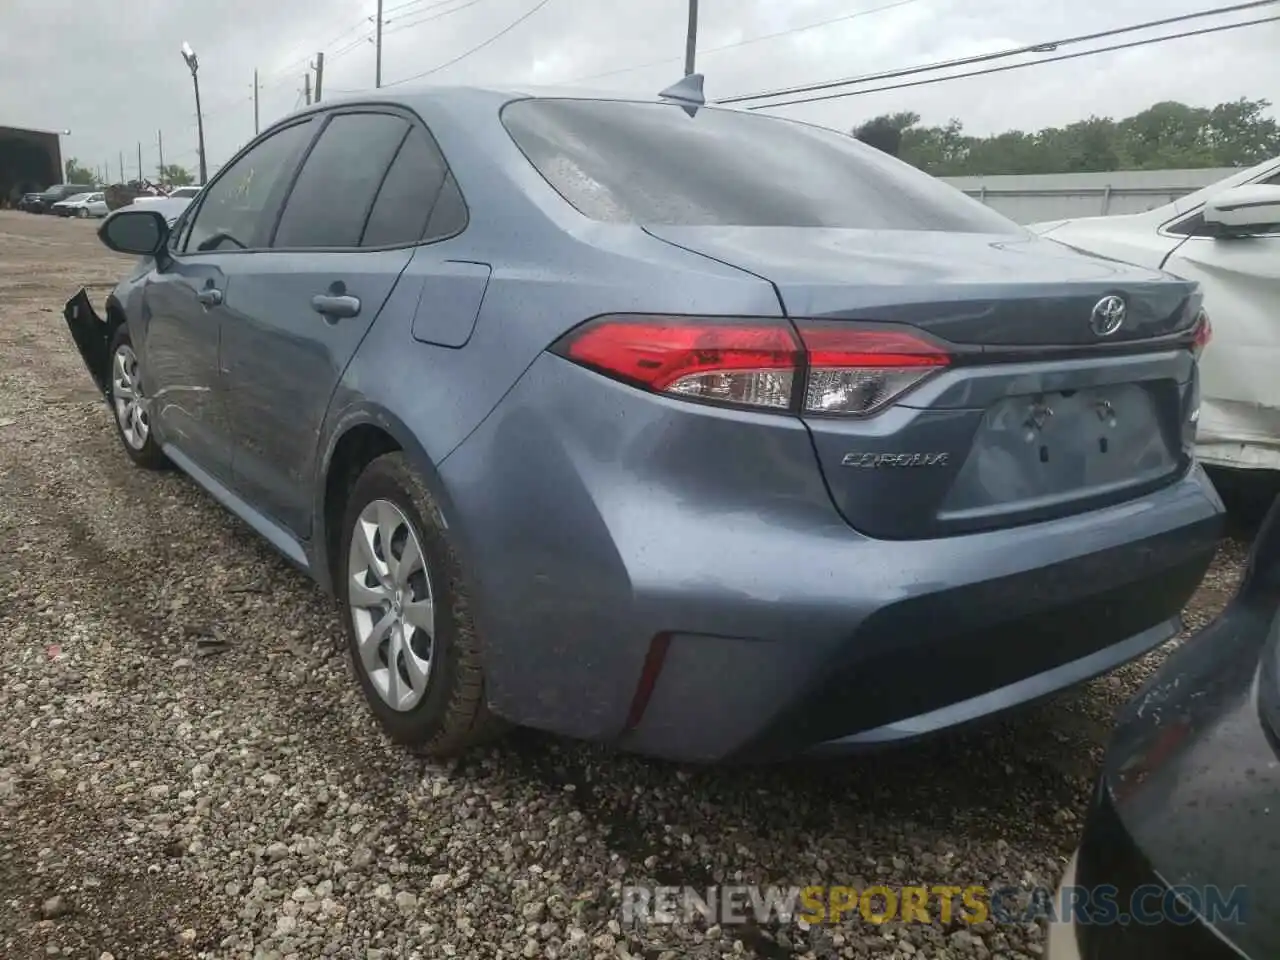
(856, 372)
(1201, 333)
(832, 368)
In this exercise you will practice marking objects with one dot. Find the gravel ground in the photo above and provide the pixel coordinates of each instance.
(161, 800)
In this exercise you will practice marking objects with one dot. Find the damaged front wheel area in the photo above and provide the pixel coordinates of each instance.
(129, 403)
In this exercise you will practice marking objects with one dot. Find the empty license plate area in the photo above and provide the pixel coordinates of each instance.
(1044, 449)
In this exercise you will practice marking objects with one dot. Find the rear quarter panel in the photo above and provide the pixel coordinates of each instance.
(551, 270)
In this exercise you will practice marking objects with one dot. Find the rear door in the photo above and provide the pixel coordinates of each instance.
(297, 314)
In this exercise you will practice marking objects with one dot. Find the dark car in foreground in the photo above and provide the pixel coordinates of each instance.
(1184, 831)
(699, 432)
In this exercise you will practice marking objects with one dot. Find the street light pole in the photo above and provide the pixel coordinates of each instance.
(190, 56)
(377, 70)
(691, 41)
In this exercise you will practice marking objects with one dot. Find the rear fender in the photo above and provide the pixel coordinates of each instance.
(92, 335)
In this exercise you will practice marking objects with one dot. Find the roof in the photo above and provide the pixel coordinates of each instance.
(50, 133)
(498, 92)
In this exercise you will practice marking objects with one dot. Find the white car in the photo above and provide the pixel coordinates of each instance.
(177, 193)
(1226, 236)
(82, 205)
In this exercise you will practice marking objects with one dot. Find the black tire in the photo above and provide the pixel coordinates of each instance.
(148, 455)
(452, 715)
(83, 213)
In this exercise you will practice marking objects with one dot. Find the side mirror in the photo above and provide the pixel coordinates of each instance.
(1244, 211)
(142, 233)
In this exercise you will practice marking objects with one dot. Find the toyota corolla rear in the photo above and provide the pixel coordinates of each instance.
(949, 472)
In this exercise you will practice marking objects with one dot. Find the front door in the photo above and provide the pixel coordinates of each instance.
(186, 300)
(179, 353)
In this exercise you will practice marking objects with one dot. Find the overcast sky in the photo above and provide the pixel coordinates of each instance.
(110, 71)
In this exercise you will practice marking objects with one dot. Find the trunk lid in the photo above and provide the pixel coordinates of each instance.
(1038, 416)
(973, 289)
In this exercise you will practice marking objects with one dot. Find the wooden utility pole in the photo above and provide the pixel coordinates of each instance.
(139, 161)
(377, 75)
(255, 103)
(319, 74)
(160, 146)
(306, 86)
(122, 166)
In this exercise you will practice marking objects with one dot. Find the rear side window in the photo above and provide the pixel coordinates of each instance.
(450, 213)
(408, 195)
(651, 163)
(334, 194)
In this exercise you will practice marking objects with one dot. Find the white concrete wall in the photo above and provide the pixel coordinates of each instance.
(1029, 199)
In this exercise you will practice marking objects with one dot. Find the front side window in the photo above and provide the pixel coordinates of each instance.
(330, 203)
(652, 163)
(239, 207)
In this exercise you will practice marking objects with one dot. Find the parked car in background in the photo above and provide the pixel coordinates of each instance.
(63, 209)
(702, 432)
(1227, 238)
(170, 207)
(84, 205)
(1185, 823)
(30, 202)
(177, 193)
(58, 193)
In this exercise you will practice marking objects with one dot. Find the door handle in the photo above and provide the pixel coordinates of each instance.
(335, 307)
(210, 296)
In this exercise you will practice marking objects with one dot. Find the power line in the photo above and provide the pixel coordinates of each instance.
(986, 57)
(1018, 66)
(355, 44)
(749, 40)
(434, 16)
(415, 3)
(477, 48)
(289, 69)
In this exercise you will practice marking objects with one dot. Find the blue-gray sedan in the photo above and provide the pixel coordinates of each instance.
(701, 432)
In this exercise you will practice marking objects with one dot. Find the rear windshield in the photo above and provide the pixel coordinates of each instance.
(651, 163)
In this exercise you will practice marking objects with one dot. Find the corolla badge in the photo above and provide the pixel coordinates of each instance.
(878, 460)
(1108, 316)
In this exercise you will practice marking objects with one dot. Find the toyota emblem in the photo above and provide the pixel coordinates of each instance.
(1108, 316)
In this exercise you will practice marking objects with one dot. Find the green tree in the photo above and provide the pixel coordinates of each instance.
(1166, 135)
(79, 174)
(943, 151)
(176, 175)
(885, 132)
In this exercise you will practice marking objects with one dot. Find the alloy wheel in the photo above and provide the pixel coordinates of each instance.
(392, 605)
(127, 397)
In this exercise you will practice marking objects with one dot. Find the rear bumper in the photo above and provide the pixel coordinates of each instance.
(959, 651)
(617, 539)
